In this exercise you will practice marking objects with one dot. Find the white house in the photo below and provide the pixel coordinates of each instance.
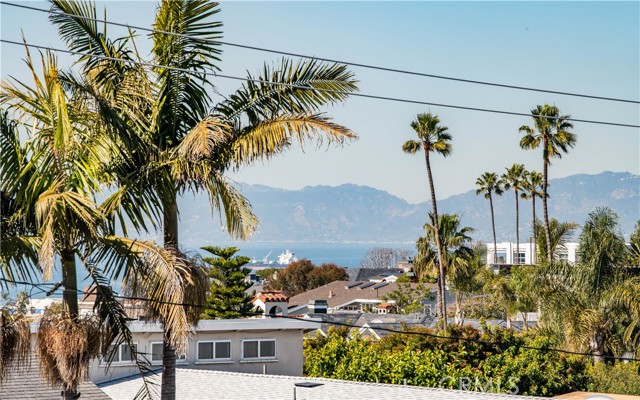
(526, 253)
(254, 345)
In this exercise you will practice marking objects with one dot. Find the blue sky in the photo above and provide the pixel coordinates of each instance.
(583, 47)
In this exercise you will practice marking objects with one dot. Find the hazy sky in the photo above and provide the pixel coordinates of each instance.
(583, 47)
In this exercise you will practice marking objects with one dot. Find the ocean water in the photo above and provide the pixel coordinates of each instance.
(347, 255)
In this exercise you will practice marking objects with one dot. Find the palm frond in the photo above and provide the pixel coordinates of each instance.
(116, 330)
(272, 136)
(289, 88)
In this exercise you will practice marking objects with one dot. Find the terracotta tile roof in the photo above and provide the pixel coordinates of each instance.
(271, 295)
(341, 292)
(386, 305)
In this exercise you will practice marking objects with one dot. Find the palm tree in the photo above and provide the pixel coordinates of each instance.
(457, 253)
(174, 137)
(551, 131)
(488, 184)
(594, 304)
(502, 294)
(49, 182)
(515, 179)
(533, 186)
(425, 261)
(634, 246)
(560, 234)
(432, 137)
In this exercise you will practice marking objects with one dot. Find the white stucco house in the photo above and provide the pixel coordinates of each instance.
(254, 345)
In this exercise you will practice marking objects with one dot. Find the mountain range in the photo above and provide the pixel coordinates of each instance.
(353, 213)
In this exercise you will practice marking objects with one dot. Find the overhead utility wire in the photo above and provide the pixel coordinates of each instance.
(390, 330)
(353, 64)
(368, 96)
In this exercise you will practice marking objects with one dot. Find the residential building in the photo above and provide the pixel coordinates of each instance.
(250, 345)
(526, 253)
(349, 297)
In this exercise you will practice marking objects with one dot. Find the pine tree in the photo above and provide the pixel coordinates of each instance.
(227, 296)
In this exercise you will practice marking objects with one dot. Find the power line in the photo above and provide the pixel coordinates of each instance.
(369, 96)
(353, 64)
(390, 330)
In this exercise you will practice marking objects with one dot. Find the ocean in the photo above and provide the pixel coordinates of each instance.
(347, 255)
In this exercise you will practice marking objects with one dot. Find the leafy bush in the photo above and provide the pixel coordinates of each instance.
(620, 378)
(471, 363)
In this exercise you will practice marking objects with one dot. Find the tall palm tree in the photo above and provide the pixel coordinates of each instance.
(551, 131)
(515, 179)
(432, 137)
(50, 181)
(457, 252)
(175, 138)
(533, 186)
(488, 184)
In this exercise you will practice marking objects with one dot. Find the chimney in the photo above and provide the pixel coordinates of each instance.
(331, 294)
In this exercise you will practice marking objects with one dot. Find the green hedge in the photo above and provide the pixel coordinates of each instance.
(472, 365)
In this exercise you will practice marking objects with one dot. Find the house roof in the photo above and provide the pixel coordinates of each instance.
(365, 274)
(26, 384)
(342, 292)
(205, 384)
(271, 295)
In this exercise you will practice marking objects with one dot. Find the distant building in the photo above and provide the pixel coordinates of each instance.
(348, 297)
(526, 253)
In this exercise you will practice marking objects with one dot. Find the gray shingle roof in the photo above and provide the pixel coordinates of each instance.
(25, 384)
(201, 385)
(341, 293)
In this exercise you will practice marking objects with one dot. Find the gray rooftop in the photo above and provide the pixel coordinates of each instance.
(201, 385)
(25, 384)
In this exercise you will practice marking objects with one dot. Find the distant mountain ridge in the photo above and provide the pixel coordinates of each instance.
(353, 213)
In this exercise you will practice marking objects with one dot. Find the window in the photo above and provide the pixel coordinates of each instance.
(259, 348)
(156, 354)
(563, 256)
(520, 257)
(501, 257)
(123, 355)
(214, 350)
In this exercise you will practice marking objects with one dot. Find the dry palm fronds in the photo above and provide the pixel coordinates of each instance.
(14, 343)
(65, 346)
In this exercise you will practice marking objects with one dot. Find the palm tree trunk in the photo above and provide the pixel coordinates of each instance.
(517, 230)
(533, 227)
(459, 313)
(168, 389)
(545, 212)
(70, 298)
(493, 227)
(597, 345)
(508, 319)
(441, 262)
(69, 282)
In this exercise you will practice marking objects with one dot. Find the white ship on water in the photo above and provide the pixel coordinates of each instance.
(284, 259)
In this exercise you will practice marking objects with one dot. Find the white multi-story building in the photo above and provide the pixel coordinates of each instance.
(526, 253)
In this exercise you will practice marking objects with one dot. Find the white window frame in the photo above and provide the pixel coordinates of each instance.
(117, 360)
(213, 344)
(180, 359)
(260, 357)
